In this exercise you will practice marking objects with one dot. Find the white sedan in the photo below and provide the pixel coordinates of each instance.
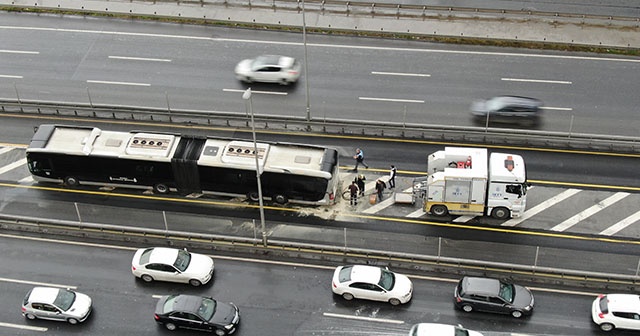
(57, 304)
(371, 283)
(174, 265)
(269, 69)
(616, 311)
(428, 329)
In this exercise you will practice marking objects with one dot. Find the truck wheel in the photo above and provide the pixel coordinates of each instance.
(439, 210)
(253, 196)
(500, 213)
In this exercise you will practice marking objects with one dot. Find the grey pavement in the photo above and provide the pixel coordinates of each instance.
(580, 32)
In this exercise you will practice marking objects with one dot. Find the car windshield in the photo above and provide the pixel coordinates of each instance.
(461, 332)
(507, 292)
(207, 308)
(144, 257)
(182, 261)
(65, 299)
(345, 274)
(495, 104)
(387, 280)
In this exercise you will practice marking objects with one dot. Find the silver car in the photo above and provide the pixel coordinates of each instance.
(269, 69)
(58, 304)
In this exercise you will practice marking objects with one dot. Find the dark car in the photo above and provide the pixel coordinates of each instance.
(508, 109)
(492, 295)
(199, 313)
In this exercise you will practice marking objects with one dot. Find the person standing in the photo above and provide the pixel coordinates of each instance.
(392, 177)
(353, 190)
(380, 188)
(360, 182)
(359, 157)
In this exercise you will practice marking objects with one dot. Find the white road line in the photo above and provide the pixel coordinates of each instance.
(19, 52)
(13, 165)
(28, 179)
(117, 83)
(384, 204)
(35, 283)
(416, 214)
(617, 227)
(393, 100)
(400, 74)
(23, 327)
(541, 207)
(363, 318)
(536, 80)
(6, 150)
(590, 211)
(10, 76)
(557, 108)
(258, 92)
(140, 59)
(463, 219)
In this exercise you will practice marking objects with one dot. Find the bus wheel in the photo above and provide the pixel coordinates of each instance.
(280, 199)
(161, 188)
(71, 181)
(253, 196)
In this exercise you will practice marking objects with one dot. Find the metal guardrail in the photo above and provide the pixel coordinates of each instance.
(427, 132)
(326, 253)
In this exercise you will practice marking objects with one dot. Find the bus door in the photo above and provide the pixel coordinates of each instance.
(185, 164)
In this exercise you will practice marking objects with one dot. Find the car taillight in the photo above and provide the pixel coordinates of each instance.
(601, 296)
(334, 284)
(458, 299)
(23, 309)
(291, 72)
(155, 316)
(601, 315)
(133, 268)
(332, 196)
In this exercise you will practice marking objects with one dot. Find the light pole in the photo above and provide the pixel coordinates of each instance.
(306, 67)
(247, 97)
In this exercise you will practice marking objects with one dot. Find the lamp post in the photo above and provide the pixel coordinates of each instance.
(306, 67)
(247, 97)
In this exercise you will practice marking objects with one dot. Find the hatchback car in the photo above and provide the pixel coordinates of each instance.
(621, 311)
(196, 312)
(269, 69)
(174, 265)
(507, 109)
(494, 296)
(58, 304)
(430, 329)
(371, 283)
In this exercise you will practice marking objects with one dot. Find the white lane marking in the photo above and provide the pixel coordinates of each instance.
(117, 83)
(536, 80)
(590, 211)
(541, 207)
(363, 318)
(13, 165)
(557, 108)
(393, 100)
(617, 227)
(28, 179)
(19, 51)
(35, 283)
(384, 204)
(416, 213)
(23, 327)
(6, 150)
(399, 74)
(140, 59)
(258, 92)
(156, 296)
(463, 219)
(10, 76)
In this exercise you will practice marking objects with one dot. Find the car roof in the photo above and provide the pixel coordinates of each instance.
(187, 303)
(624, 302)
(44, 294)
(163, 255)
(517, 100)
(282, 61)
(476, 285)
(364, 273)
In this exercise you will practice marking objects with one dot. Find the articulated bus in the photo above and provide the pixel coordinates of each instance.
(166, 162)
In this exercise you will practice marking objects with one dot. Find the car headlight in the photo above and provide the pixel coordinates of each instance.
(528, 308)
(229, 326)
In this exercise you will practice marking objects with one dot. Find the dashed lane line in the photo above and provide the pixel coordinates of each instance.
(21, 326)
(363, 318)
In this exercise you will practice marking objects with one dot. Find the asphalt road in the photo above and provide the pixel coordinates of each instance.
(190, 67)
(274, 299)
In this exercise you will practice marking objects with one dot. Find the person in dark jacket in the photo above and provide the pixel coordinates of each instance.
(380, 186)
(360, 182)
(353, 190)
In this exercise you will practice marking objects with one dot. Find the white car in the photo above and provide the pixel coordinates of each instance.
(49, 303)
(174, 265)
(621, 311)
(371, 283)
(430, 329)
(269, 69)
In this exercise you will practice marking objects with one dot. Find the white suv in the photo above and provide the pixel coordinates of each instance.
(620, 311)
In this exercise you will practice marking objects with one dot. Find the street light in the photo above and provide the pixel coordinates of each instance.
(306, 67)
(247, 97)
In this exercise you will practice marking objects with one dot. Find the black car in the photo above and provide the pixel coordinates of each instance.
(196, 312)
(492, 295)
(524, 111)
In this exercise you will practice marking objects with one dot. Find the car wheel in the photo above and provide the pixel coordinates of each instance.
(195, 283)
(347, 296)
(30, 316)
(439, 210)
(71, 181)
(607, 327)
(394, 302)
(500, 213)
(220, 332)
(467, 308)
(146, 278)
(170, 326)
(161, 188)
(72, 321)
(284, 81)
(248, 80)
(516, 314)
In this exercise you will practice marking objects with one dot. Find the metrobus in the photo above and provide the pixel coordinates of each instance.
(167, 162)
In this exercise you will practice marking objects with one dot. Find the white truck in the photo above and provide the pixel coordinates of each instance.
(467, 181)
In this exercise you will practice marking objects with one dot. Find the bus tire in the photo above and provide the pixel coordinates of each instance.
(71, 181)
(253, 196)
(161, 188)
(439, 210)
(280, 199)
(500, 213)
